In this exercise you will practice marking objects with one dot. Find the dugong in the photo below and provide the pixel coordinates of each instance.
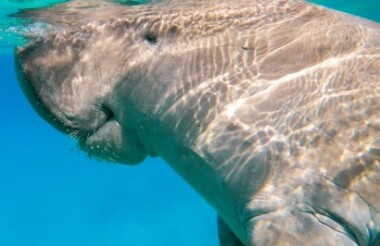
(269, 109)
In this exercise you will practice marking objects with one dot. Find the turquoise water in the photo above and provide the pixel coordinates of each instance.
(52, 194)
(369, 9)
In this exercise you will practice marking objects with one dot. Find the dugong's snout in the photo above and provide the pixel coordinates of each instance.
(53, 101)
(72, 101)
(31, 92)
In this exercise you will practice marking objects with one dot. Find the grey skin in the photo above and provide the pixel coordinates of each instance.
(268, 109)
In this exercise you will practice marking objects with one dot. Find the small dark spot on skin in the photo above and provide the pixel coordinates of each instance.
(278, 146)
(302, 140)
(318, 185)
(315, 141)
(173, 30)
(247, 144)
(150, 37)
(246, 48)
(331, 132)
(368, 112)
(232, 127)
(293, 150)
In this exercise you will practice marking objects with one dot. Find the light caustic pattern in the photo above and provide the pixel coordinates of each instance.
(279, 97)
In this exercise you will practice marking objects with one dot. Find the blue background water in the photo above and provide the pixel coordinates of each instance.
(52, 194)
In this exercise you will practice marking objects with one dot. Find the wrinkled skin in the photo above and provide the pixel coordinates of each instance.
(269, 109)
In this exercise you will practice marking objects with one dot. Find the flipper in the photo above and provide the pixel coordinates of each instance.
(296, 228)
(226, 236)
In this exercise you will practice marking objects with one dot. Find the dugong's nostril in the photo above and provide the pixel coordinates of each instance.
(150, 37)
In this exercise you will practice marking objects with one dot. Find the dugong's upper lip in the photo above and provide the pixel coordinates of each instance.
(31, 93)
(60, 123)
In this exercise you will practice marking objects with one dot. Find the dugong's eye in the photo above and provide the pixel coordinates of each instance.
(149, 37)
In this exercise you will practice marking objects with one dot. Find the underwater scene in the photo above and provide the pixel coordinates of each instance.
(51, 193)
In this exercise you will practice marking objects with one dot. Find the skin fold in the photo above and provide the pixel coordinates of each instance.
(268, 109)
